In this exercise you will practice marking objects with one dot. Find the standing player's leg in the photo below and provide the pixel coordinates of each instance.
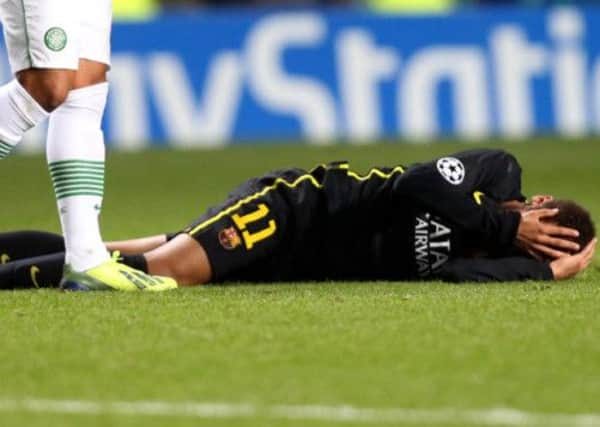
(75, 144)
(59, 50)
(75, 152)
(42, 51)
(43, 39)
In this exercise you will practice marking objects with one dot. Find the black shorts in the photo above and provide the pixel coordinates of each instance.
(263, 230)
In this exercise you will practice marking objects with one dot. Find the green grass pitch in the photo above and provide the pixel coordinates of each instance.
(295, 354)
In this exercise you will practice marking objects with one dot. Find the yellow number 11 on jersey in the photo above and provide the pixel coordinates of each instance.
(242, 221)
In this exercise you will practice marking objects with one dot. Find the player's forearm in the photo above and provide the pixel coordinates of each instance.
(137, 246)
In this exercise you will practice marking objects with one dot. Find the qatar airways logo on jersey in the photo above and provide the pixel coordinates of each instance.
(432, 244)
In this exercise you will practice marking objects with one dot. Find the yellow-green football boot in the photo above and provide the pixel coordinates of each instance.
(113, 276)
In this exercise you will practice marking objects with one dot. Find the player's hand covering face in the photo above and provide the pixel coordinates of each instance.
(541, 238)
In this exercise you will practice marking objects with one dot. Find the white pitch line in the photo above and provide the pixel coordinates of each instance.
(346, 413)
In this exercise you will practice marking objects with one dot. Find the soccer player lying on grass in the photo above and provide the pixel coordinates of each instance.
(459, 218)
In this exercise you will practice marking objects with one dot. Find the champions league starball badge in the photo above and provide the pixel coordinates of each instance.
(451, 169)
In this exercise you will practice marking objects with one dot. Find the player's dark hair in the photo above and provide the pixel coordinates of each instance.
(572, 215)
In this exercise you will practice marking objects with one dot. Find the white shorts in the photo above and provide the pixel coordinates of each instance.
(55, 34)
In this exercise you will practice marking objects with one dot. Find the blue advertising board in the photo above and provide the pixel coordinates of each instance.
(217, 78)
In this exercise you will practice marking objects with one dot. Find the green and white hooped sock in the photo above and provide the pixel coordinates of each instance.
(77, 178)
(75, 153)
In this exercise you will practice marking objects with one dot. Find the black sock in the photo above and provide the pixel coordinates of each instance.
(37, 272)
(15, 245)
(46, 271)
(135, 261)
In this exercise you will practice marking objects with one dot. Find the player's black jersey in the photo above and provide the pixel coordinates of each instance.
(433, 220)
